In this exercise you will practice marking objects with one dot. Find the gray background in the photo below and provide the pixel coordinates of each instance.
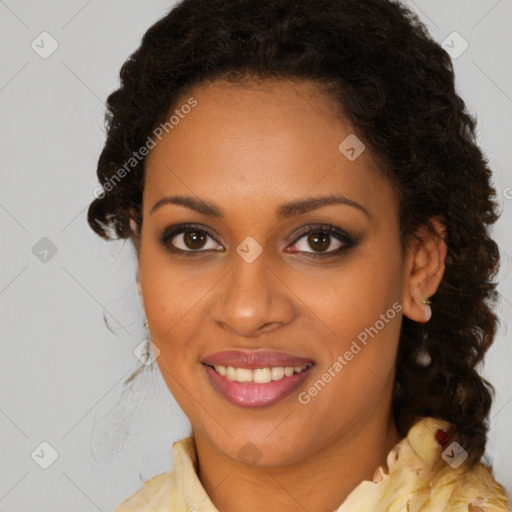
(62, 369)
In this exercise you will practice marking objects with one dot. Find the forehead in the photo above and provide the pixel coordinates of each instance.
(259, 143)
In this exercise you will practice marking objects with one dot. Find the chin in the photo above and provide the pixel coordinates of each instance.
(252, 451)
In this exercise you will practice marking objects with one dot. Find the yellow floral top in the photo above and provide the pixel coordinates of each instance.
(423, 476)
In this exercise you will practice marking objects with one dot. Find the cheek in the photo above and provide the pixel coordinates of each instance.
(348, 298)
(368, 310)
(357, 372)
(358, 313)
(169, 302)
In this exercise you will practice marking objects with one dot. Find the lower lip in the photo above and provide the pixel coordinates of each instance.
(251, 394)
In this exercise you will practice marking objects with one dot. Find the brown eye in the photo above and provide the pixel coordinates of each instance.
(319, 241)
(323, 241)
(194, 239)
(189, 239)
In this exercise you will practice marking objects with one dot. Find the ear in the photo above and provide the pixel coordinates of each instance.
(139, 288)
(135, 233)
(424, 267)
(134, 227)
(136, 241)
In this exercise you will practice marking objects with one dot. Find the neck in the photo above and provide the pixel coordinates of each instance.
(321, 482)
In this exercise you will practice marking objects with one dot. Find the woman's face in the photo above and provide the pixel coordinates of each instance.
(253, 165)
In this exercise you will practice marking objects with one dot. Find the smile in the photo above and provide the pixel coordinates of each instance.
(259, 375)
(257, 387)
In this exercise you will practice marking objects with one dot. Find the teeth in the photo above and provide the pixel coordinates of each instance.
(277, 373)
(243, 375)
(259, 375)
(288, 371)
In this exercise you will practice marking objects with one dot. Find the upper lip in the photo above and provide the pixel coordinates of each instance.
(254, 359)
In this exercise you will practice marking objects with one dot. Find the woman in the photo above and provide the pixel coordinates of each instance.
(310, 212)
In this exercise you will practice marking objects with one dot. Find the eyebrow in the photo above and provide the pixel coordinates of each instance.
(285, 210)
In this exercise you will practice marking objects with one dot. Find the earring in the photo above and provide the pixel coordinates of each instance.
(145, 322)
(423, 358)
(428, 309)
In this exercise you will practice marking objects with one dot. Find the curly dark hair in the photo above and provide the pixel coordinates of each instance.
(396, 86)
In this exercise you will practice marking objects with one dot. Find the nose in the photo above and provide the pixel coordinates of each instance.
(252, 299)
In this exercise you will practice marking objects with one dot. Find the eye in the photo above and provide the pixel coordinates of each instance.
(188, 238)
(325, 240)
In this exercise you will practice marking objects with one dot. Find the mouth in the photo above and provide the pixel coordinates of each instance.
(259, 375)
(256, 387)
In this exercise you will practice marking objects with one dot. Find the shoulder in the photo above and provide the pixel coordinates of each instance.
(154, 493)
(166, 492)
(424, 476)
(478, 490)
(448, 483)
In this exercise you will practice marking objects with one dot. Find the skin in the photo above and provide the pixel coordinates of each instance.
(249, 149)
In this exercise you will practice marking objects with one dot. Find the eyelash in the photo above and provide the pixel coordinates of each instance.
(347, 238)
